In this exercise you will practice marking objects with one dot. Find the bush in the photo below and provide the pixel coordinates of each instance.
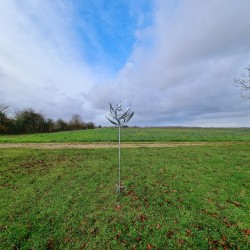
(29, 121)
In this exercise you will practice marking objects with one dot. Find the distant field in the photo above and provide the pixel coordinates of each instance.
(136, 135)
(177, 198)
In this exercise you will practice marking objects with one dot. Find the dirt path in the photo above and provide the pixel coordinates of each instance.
(106, 145)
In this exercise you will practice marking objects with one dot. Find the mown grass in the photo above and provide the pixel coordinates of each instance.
(177, 198)
(136, 135)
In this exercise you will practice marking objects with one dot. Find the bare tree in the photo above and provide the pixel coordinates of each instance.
(3, 108)
(76, 122)
(61, 125)
(244, 83)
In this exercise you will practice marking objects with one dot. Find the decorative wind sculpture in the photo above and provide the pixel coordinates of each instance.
(119, 117)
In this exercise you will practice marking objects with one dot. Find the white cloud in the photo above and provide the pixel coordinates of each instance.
(180, 71)
(39, 61)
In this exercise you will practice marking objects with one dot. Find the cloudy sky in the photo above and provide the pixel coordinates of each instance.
(173, 60)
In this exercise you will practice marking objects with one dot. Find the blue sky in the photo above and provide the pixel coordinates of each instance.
(107, 29)
(174, 61)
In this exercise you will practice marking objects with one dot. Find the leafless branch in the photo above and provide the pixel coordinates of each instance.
(243, 82)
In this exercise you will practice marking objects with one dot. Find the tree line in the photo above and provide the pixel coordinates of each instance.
(29, 121)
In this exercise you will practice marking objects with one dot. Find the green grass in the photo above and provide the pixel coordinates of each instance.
(136, 135)
(177, 198)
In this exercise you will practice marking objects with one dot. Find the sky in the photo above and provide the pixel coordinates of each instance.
(174, 61)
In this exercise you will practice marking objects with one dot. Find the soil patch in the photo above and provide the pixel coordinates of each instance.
(106, 145)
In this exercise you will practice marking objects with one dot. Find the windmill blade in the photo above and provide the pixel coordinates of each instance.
(129, 117)
(116, 118)
(118, 122)
(111, 109)
(126, 112)
(111, 120)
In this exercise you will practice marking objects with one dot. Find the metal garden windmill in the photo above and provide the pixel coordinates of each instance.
(119, 117)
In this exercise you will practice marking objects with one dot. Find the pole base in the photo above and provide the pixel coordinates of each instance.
(120, 189)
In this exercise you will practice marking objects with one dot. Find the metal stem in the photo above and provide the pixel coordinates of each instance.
(119, 117)
(119, 164)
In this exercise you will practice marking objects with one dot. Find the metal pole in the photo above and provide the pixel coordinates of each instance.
(119, 164)
(120, 117)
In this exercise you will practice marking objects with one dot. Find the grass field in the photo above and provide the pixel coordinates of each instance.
(136, 135)
(177, 198)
